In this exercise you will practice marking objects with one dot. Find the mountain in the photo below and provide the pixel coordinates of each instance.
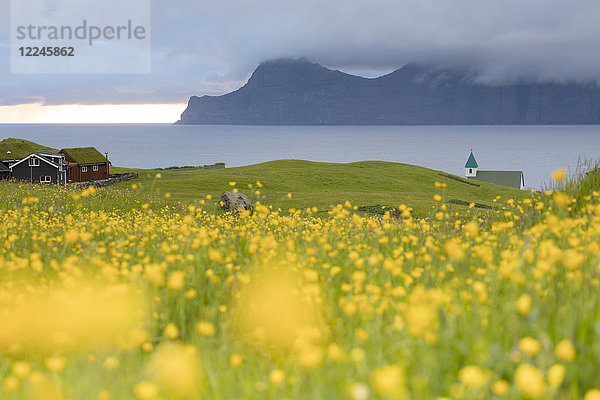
(298, 92)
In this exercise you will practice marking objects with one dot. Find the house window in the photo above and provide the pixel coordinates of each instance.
(95, 168)
(34, 162)
(470, 170)
(45, 179)
(83, 169)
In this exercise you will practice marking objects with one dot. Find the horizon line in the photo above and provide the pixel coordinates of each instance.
(101, 114)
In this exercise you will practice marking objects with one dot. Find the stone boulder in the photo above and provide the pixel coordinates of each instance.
(235, 201)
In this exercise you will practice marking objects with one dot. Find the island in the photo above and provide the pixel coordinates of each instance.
(299, 92)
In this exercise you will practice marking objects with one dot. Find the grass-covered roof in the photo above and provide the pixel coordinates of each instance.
(85, 155)
(504, 178)
(20, 148)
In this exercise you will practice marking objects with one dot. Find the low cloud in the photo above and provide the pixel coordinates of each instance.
(206, 47)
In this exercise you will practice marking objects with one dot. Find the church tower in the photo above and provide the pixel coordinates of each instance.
(471, 167)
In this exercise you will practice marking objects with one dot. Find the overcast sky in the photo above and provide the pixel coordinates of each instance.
(211, 47)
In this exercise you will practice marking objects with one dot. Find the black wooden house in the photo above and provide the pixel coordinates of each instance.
(4, 171)
(41, 167)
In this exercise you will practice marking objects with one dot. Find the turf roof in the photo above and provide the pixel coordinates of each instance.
(85, 155)
(504, 178)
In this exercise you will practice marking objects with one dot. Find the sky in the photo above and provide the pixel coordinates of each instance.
(211, 47)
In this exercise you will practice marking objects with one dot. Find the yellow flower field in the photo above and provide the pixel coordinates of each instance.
(107, 294)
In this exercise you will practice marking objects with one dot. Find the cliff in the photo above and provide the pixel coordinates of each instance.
(297, 92)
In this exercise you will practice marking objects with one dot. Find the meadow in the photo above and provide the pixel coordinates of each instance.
(365, 184)
(130, 293)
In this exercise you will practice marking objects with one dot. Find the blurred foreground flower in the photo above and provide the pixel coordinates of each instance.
(178, 370)
(45, 388)
(530, 381)
(592, 394)
(68, 317)
(388, 381)
(562, 199)
(565, 350)
(281, 313)
(472, 376)
(559, 175)
(556, 374)
(146, 390)
(530, 346)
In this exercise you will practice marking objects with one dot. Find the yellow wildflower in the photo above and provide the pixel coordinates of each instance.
(389, 381)
(559, 175)
(11, 384)
(472, 376)
(235, 360)
(358, 391)
(21, 369)
(177, 368)
(104, 395)
(205, 328)
(592, 394)
(277, 377)
(556, 374)
(530, 346)
(524, 304)
(562, 199)
(530, 381)
(500, 387)
(565, 350)
(176, 280)
(171, 331)
(55, 364)
(146, 390)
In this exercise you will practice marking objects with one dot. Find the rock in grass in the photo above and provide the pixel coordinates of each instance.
(235, 201)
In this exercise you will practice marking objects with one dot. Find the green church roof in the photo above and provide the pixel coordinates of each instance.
(471, 163)
(505, 178)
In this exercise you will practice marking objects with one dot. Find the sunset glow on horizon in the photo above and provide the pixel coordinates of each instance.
(91, 114)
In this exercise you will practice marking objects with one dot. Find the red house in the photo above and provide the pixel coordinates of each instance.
(86, 164)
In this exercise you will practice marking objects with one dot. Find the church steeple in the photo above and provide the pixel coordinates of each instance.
(471, 166)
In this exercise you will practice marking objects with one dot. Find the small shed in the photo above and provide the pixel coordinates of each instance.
(86, 164)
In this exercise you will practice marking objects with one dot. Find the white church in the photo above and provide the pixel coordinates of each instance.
(505, 178)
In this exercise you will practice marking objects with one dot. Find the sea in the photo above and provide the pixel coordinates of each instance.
(535, 150)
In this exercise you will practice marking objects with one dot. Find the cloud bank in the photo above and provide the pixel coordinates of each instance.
(207, 47)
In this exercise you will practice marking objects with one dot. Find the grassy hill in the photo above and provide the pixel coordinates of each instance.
(372, 186)
(367, 185)
(19, 148)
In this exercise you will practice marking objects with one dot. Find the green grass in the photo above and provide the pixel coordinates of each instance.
(20, 148)
(324, 185)
(582, 184)
(347, 307)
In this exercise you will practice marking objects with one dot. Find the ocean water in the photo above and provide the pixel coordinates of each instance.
(536, 150)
